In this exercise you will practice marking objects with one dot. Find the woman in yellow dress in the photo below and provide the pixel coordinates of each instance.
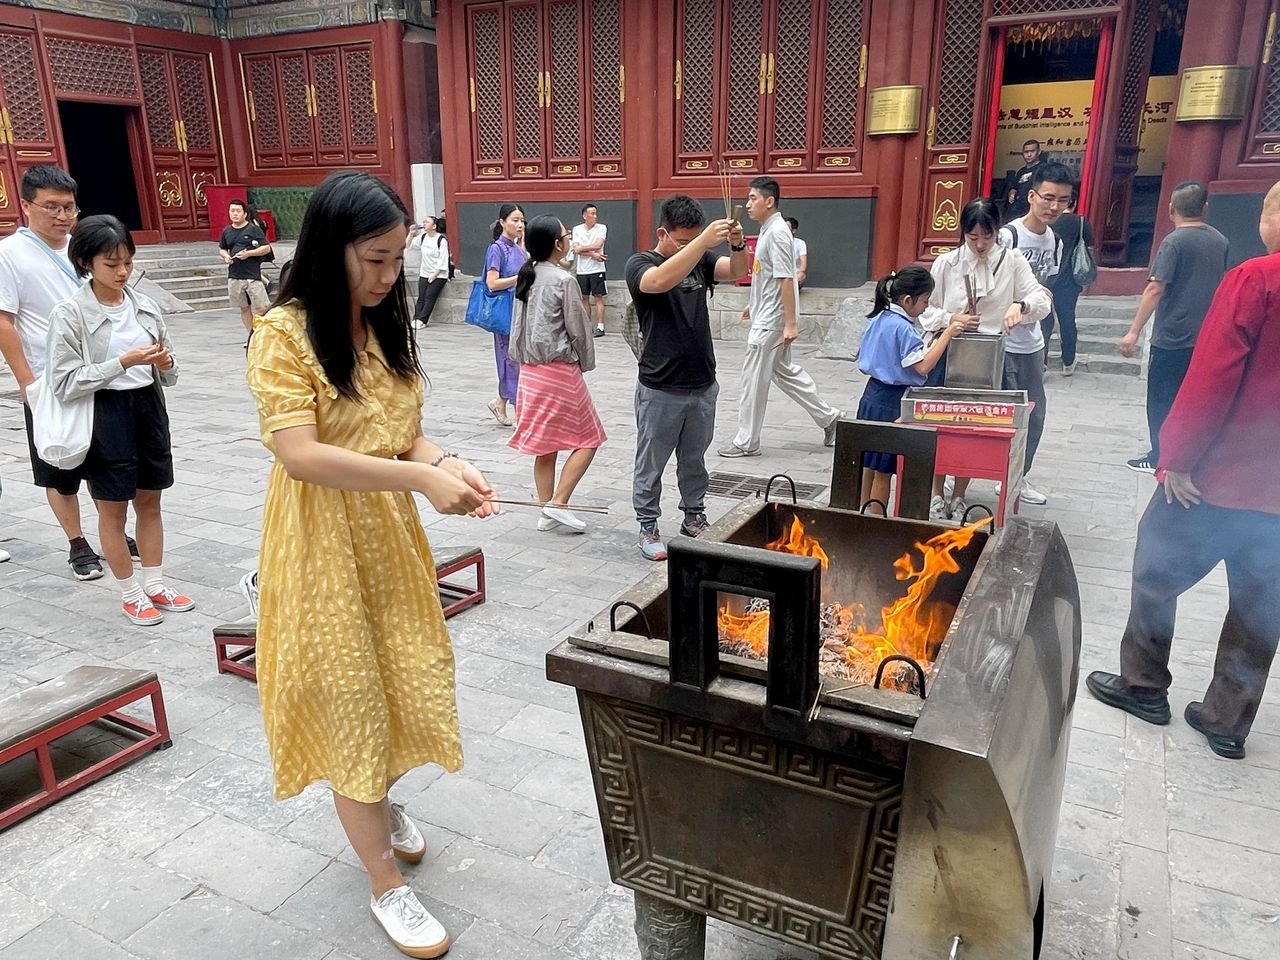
(355, 670)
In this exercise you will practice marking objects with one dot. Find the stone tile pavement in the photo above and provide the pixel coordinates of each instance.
(1164, 850)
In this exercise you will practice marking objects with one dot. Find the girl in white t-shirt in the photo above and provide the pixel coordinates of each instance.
(111, 342)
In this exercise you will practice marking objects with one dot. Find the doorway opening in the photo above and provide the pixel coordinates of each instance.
(100, 159)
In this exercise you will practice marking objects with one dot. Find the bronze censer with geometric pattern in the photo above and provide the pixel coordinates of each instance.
(751, 771)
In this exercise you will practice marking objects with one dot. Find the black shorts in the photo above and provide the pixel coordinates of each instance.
(130, 449)
(66, 482)
(591, 284)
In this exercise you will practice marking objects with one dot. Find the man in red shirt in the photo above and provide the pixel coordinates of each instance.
(1220, 502)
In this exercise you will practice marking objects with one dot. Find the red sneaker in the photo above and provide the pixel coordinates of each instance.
(166, 599)
(142, 612)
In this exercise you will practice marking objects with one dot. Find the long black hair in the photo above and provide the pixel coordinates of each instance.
(905, 282)
(348, 207)
(541, 234)
(504, 211)
(99, 234)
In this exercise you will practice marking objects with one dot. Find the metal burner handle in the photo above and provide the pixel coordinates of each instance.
(613, 617)
(964, 517)
(884, 507)
(768, 489)
(919, 676)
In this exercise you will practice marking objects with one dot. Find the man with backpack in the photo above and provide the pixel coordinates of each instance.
(1024, 346)
(433, 269)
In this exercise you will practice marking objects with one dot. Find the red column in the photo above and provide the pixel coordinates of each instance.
(1212, 36)
(391, 95)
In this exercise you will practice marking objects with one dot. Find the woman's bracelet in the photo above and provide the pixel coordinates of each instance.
(442, 458)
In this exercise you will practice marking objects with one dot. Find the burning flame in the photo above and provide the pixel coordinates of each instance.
(911, 625)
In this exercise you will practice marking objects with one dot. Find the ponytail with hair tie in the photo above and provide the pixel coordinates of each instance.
(909, 281)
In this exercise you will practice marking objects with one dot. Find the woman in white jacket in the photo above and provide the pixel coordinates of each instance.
(993, 291)
(110, 342)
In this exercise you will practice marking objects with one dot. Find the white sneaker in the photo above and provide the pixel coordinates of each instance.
(957, 509)
(938, 509)
(1030, 494)
(414, 931)
(407, 841)
(4, 555)
(546, 523)
(565, 516)
(948, 487)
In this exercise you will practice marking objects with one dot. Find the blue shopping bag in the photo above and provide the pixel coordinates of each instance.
(489, 310)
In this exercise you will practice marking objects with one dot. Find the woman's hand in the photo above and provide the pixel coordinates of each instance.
(466, 472)
(141, 356)
(970, 321)
(1013, 316)
(447, 492)
(164, 360)
(957, 326)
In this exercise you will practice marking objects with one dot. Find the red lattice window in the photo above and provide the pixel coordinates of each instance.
(297, 112)
(606, 51)
(526, 79)
(487, 106)
(84, 66)
(746, 77)
(22, 88)
(1016, 8)
(564, 67)
(328, 100)
(1134, 91)
(264, 102)
(958, 77)
(358, 62)
(841, 61)
(192, 80)
(789, 82)
(153, 67)
(696, 83)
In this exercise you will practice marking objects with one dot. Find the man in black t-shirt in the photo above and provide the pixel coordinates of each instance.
(676, 388)
(1016, 202)
(242, 246)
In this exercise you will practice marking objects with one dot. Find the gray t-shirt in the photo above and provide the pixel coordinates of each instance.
(775, 258)
(1043, 253)
(1190, 263)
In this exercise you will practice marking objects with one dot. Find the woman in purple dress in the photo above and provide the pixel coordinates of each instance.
(502, 261)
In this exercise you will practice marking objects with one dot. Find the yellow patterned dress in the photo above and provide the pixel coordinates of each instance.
(355, 670)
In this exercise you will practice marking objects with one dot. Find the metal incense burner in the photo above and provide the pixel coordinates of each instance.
(859, 822)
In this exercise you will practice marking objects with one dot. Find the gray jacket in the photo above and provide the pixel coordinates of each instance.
(552, 325)
(76, 363)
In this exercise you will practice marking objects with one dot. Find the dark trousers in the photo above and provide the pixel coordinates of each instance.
(1064, 306)
(1165, 373)
(1176, 549)
(428, 294)
(1025, 371)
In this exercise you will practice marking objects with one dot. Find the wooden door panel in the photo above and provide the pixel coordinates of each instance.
(361, 87)
(10, 211)
(604, 122)
(201, 173)
(490, 111)
(329, 106)
(743, 85)
(697, 53)
(565, 88)
(262, 97)
(27, 104)
(528, 89)
(295, 95)
(193, 84)
(789, 87)
(168, 180)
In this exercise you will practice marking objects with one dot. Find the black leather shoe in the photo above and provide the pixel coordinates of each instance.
(1149, 705)
(1229, 747)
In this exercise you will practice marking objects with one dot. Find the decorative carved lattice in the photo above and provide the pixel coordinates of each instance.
(791, 86)
(192, 76)
(22, 88)
(329, 105)
(1133, 93)
(698, 80)
(566, 136)
(526, 82)
(606, 47)
(85, 66)
(1269, 119)
(958, 79)
(153, 68)
(364, 117)
(743, 129)
(840, 74)
(490, 116)
(293, 83)
(262, 86)
(1015, 8)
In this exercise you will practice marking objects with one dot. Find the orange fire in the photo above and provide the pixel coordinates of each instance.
(911, 625)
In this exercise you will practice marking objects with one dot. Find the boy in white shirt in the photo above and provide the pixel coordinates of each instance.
(587, 247)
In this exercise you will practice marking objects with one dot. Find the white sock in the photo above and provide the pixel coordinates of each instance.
(153, 579)
(130, 589)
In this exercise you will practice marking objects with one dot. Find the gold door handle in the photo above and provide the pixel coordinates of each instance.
(473, 94)
(622, 84)
(679, 80)
(771, 73)
(8, 125)
(546, 88)
(312, 109)
(539, 91)
(177, 135)
(182, 130)
(1270, 40)
(253, 108)
(862, 67)
(764, 66)
(373, 93)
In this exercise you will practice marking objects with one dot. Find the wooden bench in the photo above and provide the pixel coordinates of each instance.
(235, 644)
(31, 720)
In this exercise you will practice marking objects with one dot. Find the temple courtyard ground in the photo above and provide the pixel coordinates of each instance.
(1164, 850)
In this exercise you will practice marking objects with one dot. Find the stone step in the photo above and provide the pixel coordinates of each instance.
(1109, 308)
(196, 291)
(1102, 327)
(167, 270)
(207, 303)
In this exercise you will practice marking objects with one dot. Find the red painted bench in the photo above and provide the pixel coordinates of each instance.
(32, 719)
(236, 643)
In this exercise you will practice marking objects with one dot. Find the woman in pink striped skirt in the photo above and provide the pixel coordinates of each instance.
(551, 337)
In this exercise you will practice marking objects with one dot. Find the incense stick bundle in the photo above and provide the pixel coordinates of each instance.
(726, 191)
(535, 503)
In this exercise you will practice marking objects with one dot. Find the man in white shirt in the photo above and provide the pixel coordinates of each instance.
(587, 247)
(1024, 346)
(34, 275)
(774, 310)
(802, 252)
(433, 270)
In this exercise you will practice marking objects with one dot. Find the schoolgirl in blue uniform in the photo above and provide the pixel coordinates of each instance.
(894, 357)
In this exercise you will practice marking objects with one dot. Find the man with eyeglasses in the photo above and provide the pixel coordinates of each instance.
(1024, 344)
(34, 275)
